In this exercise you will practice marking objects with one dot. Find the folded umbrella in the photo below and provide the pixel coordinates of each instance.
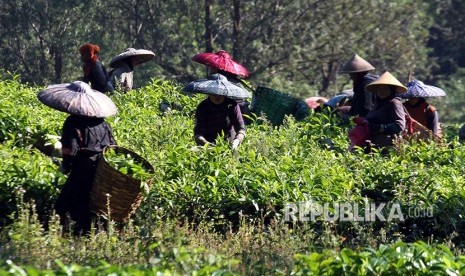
(217, 84)
(77, 98)
(137, 56)
(221, 60)
(417, 89)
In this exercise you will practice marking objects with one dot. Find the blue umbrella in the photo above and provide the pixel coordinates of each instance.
(217, 84)
(417, 89)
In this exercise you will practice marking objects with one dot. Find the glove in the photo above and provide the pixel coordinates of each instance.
(235, 144)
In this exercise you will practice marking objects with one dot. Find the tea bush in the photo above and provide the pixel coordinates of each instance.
(209, 210)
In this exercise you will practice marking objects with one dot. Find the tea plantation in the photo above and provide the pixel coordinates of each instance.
(272, 210)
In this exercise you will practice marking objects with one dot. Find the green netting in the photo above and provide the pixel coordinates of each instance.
(273, 103)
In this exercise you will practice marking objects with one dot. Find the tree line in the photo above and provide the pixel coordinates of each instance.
(296, 46)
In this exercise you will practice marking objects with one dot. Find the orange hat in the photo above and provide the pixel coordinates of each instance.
(90, 51)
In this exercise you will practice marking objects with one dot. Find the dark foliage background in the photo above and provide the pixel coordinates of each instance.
(295, 46)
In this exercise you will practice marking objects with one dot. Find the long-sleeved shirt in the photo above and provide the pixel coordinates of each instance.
(84, 137)
(122, 77)
(212, 119)
(425, 114)
(98, 78)
(389, 113)
(363, 102)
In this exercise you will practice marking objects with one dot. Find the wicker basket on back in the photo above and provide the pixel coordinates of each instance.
(122, 191)
(276, 105)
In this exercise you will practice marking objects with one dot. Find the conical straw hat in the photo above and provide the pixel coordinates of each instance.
(138, 56)
(357, 64)
(386, 79)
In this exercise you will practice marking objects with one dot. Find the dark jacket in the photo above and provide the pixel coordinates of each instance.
(98, 78)
(83, 139)
(386, 121)
(212, 119)
(244, 104)
(363, 102)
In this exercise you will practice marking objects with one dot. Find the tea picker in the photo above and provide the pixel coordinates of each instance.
(219, 113)
(93, 186)
(222, 63)
(122, 76)
(419, 109)
(85, 134)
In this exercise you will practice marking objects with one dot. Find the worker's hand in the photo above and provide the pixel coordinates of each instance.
(63, 170)
(235, 144)
(200, 140)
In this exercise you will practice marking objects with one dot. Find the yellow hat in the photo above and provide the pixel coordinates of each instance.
(357, 64)
(386, 79)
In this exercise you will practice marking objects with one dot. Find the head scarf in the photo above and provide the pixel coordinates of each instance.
(89, 53)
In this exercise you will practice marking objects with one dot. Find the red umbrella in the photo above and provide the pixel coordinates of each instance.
(221, 60)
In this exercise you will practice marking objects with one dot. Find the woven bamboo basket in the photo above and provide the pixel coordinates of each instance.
(273, 103)
(121, 191)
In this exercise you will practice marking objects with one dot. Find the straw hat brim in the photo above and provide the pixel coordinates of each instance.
(217, 84)
(138, 56)
(386, 79)
(77, 98)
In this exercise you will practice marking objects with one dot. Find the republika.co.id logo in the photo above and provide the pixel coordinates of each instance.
(352, 211)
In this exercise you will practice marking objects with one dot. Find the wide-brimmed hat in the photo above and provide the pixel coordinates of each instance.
(357, 64)
(217, 84)
(386, 79)
(138, 56)
(221, 60)
(77, 98)
(417, 89)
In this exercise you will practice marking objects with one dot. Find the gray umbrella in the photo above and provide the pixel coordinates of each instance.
(217, 84)
(417, 89)
(77, 98)
(137, 57)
